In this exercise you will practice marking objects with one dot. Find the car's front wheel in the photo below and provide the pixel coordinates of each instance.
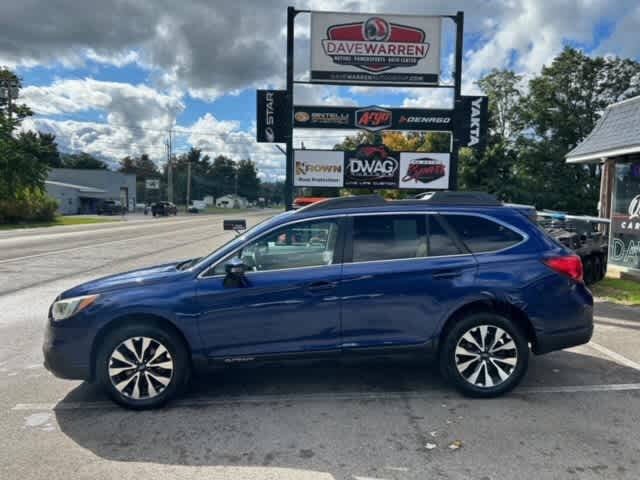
(142, 366)
(484, 355)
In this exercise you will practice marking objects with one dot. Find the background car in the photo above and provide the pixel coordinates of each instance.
(110, 207)
(163, 208)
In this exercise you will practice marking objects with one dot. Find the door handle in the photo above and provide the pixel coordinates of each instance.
(320, 286)
(444, 274)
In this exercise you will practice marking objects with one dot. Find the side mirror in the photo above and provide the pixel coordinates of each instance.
(235, 267)
(235, 278)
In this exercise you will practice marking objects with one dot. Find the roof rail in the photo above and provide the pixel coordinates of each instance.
(346, 202)
(431, 198)
(446, 197)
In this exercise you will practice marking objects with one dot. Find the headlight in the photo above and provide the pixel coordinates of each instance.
(63, 309)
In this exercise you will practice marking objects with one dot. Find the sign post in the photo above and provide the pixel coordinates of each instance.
(379, 50)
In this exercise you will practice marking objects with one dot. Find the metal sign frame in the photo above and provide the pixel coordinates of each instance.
(457, 134)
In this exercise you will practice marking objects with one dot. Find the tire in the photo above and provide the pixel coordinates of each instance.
(597, 268)
(459, 369)
(588, 273)
(166, 372)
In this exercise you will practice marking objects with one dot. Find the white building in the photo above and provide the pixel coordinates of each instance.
(232, 201)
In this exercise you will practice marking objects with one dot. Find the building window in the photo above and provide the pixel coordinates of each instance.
(624, 247)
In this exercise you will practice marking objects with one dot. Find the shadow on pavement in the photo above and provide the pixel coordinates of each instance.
(336, 435)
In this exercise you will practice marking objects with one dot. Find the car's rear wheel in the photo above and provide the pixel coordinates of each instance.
(142, 366)
(484, 355)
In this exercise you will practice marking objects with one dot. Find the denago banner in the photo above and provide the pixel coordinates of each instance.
(375, 49)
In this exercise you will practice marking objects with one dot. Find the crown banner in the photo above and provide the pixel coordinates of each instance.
(271, 116)
(354, 48)
(373, 118)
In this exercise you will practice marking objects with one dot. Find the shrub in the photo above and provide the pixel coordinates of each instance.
(29, 205)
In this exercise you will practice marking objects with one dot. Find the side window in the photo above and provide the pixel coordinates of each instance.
(482, 235)
(304, 244)
(440, 242)
(388, 237)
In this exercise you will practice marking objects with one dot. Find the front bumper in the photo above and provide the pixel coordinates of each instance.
(66, 352)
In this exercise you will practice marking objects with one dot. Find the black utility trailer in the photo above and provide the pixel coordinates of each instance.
(584, 235)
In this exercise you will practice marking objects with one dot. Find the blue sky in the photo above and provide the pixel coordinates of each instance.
(114, 85)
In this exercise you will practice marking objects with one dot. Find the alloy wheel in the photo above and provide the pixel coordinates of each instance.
(486, 356)
(140, 368)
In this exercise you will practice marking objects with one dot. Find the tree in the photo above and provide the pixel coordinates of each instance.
(223, 174)
(23, 161)
(248, 181)
(83, 161)
(563, 105)
(502, 88)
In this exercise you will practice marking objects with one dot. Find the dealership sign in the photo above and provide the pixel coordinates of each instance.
(375, 49)
(271, 118)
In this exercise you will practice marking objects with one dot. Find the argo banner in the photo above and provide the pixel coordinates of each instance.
(373, 118)
(271, 116)
(355, 48)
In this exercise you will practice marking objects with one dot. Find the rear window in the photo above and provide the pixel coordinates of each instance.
(388, 237)
(481, 234)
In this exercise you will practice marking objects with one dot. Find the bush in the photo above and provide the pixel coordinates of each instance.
(29, 205)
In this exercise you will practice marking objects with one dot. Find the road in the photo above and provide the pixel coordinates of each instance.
(576, 416)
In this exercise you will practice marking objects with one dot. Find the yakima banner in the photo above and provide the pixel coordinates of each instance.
(473, 120)
(375, 49)
(373, 118)
(424, 170)
(318, 168)
(371, 166)
(271, 116)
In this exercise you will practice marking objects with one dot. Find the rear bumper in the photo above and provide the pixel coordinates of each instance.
(558, 341)
(549, 342)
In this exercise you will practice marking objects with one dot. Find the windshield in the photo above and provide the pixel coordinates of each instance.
(239, 240)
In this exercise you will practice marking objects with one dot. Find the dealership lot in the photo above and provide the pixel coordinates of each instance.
(576, 416)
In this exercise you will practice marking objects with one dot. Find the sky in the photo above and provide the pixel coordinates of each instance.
(112, 77)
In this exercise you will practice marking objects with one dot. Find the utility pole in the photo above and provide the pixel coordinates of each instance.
(8, 91)
(186, 207)
(169, 169)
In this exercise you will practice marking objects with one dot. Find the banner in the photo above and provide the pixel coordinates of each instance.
(318, 168)
(473, 119)
(354, 48)
(271, 116)
(371, 166)
(373, 118)
(424, 170)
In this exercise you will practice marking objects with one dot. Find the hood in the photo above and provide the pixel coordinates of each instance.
(135, 278)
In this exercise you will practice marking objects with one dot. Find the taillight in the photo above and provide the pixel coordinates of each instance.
(571, 266)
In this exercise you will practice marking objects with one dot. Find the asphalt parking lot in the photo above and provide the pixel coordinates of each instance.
(577, 415)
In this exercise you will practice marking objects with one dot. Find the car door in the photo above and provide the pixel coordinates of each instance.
(401, 273)
(288, 303)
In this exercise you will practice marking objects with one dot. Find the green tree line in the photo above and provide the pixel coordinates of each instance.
(533, 124)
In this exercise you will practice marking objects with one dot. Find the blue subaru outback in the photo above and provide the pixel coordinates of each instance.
(457, 275)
